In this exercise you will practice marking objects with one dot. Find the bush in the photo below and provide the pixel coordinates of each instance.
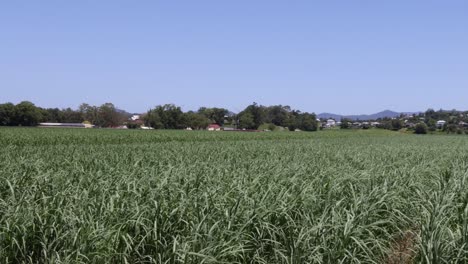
(396, 124)
(346, 124)
(420, 128)
(133, 126)
(268, 126)
(452, 128)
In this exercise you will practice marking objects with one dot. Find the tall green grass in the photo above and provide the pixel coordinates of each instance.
(106, 196)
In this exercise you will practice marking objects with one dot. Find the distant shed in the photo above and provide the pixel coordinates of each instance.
(214, 127)
(441, 123)
(69, 125)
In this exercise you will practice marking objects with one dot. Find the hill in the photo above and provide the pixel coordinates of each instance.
(383, 114)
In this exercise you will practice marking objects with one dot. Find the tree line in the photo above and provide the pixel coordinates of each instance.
(168, 116)
(28, 114)
(253, 117)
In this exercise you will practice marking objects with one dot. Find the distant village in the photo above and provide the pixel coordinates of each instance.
(254, 118)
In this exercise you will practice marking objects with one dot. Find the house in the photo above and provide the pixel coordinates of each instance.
(135, 117)
(329, 123)
(357, 124)
(375, 124)
(214, 127)
(441, 123)
(69, 125)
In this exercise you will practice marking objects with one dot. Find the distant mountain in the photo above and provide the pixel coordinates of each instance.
(329, 115)
(383, 114)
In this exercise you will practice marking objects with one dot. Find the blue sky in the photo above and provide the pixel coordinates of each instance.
(346, 57)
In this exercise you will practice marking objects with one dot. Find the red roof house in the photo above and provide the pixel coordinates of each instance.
(214, 127)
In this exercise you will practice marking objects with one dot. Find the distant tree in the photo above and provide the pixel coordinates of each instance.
(71, 116)
(430, 112)
(166, 116)
(420, 128)
(396, 124)
(108, 116)
(432, 125)
(292, 122)
(215, 115)
(152, 119)
(256, 113)
(7, 114)
(277, 114)
(345, 123)
(246, 120)
(450, 128)
(27, 114)
(89, 113)
(306, 122)
(196, 120)
(173, 117)
(54, 115)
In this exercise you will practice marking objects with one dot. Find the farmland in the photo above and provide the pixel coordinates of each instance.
(110, 196)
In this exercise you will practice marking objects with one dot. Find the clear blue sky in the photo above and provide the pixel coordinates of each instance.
(346, 57)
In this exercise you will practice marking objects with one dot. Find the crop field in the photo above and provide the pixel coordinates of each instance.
(115, 196)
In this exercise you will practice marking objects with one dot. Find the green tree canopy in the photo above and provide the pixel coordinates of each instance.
(89, 113)
(215, 115)
(108, 116)
(27, 114)
(166, 116)
(196, 120)
(306, 122)
(345, 123)
(7, 114)
(246, 120)
(420, 128)
(252, 116)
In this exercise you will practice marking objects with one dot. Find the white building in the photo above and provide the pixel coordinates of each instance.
(331, 123)
(441, 123)
(135, 117)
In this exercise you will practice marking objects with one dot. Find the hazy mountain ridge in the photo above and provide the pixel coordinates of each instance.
(383, 114)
